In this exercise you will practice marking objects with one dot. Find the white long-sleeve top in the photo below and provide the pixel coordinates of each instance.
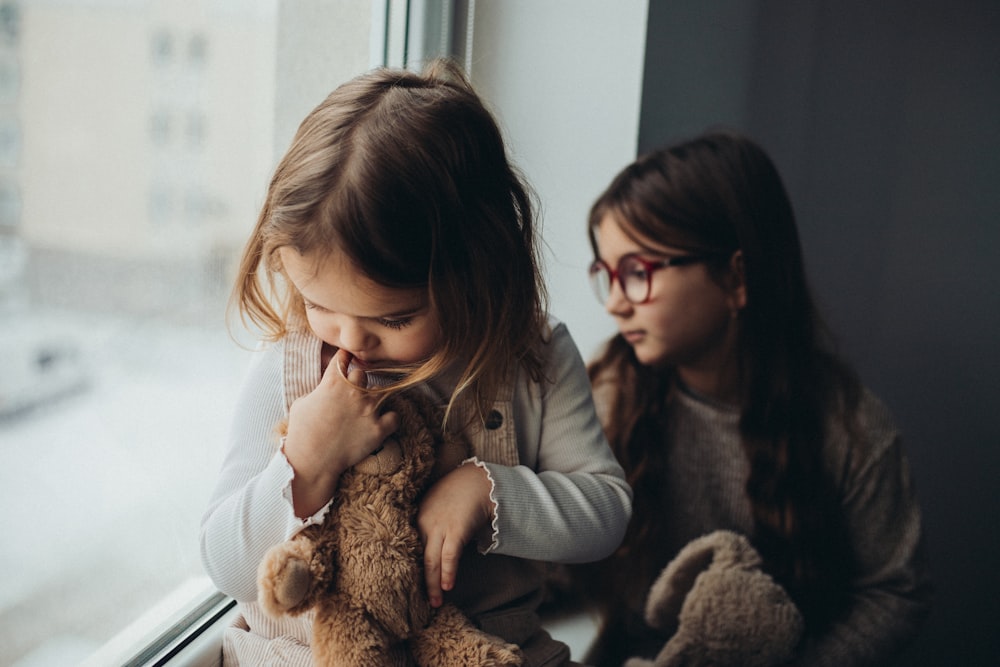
(559, 493)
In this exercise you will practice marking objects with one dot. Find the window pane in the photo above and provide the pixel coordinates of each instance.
(136, 140)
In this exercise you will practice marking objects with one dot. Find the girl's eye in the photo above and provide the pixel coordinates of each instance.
(637, 272)
(395, 324)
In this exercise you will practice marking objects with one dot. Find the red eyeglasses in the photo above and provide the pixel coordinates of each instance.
(634, 275)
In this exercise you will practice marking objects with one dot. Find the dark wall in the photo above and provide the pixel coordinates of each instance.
(884, 118)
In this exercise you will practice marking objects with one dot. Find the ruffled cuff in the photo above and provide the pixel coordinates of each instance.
(489, 539)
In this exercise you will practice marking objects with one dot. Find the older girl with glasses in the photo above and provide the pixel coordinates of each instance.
(728, 409)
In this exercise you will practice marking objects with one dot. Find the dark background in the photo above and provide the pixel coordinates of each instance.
(884, 119)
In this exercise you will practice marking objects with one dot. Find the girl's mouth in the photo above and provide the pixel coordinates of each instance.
(366, 364)
(633, 337)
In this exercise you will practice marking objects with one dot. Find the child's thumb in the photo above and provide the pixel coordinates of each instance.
(338, 366)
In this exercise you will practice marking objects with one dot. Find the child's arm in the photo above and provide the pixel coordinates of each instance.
(254, 503)
(567, 501)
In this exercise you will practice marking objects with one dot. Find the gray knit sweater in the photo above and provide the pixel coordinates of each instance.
(704, 491)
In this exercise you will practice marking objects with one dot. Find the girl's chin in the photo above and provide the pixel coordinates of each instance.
(648, 357)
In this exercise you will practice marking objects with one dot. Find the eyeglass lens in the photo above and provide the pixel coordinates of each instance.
(600, 281)
(632, 276)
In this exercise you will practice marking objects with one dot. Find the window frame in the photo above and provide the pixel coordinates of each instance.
(195, 639)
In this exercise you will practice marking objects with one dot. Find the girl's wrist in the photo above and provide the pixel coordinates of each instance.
(311, 495)
(485, 496)
(312, 485)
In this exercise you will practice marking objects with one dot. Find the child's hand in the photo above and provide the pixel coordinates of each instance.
(330, 429)
(452, 512)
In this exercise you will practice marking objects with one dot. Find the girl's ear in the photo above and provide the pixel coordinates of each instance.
(737, 283)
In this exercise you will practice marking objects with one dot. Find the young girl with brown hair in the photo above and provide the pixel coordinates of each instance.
(726, 405)
(396, 241)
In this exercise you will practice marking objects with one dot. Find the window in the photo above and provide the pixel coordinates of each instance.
(136, 141)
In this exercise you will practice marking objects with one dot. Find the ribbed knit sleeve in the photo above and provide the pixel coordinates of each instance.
(567, 499)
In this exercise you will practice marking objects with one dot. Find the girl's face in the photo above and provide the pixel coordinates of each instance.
(380, 326)
(690, 320)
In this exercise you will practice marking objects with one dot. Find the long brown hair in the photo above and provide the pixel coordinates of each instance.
(407, 175)
(717, 194)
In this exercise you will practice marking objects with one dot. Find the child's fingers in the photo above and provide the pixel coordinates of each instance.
(432, 571)
(388, 423)
(337, 368)
(441, 556)
(342, 367)
(449, 516)
(358, 378)
(451, 551)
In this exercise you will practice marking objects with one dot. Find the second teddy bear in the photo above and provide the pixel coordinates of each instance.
(722, 608)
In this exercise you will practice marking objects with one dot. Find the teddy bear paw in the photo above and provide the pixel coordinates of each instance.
(286, 587)
(293, 587)
(499, 653)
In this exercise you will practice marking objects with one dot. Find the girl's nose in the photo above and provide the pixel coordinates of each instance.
(354, 337)
(616, 303)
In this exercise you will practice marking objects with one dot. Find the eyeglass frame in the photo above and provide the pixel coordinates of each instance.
(614, 274)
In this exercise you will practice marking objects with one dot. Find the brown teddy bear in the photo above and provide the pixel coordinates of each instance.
(724, 609)
(361, 570)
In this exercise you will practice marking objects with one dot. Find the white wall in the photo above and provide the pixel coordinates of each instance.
(564, 79)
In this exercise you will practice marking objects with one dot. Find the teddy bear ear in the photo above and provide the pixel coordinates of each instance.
(668, 592)
(666, 596)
